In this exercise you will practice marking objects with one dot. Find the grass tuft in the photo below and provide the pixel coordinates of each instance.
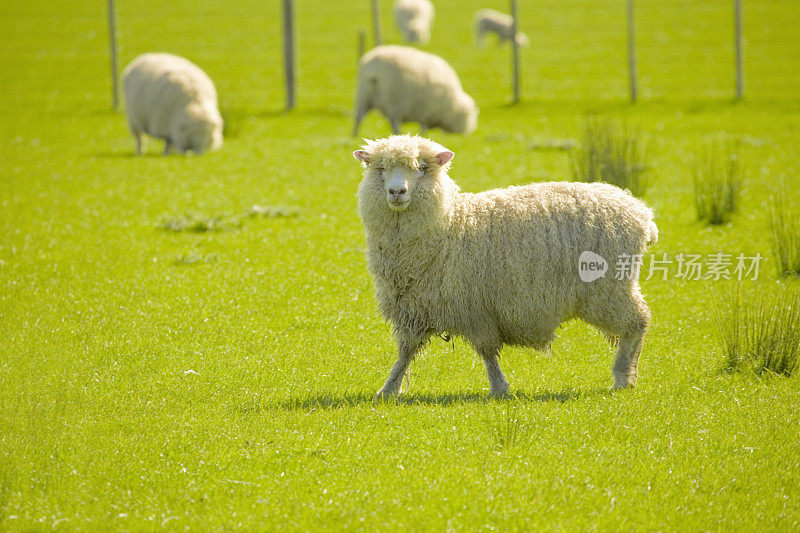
(506, 426)
(272, 211)
(193, 258)
(784, 225)
(717, 183)
(200, 224)
(203, 224)
(612, 152)
(759, 330)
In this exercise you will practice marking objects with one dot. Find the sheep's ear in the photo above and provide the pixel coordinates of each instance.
(442, 158)
(362, 155)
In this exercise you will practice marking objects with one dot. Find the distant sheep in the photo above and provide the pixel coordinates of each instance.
(414, 18)
(408, 85)
(497, 267)
(491, 21)
(169, 97)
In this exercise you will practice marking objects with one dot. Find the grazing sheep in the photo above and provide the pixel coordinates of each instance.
(497, 267)
(414, 18)
(408, 85)
(491, 21)
(171, 98)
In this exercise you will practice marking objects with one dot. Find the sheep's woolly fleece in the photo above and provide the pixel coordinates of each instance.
(409, 85)
(501, 266)
(414, 18)
(491, 21)
(171, 98)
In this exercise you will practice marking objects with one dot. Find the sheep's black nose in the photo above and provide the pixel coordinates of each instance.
(397, 192)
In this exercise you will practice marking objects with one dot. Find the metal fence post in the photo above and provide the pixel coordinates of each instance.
(632, 50)
(515, 50)
(288, 51)
(112, 39)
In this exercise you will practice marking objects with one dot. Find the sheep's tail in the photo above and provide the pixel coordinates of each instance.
(652, 232)
(366, 87)
(646, 221)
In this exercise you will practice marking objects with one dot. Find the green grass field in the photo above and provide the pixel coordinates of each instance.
(223, 380)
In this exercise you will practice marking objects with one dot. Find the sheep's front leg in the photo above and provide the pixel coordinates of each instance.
(408, 345)
(497, 381)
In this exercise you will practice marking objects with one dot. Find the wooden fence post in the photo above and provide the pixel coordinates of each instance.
(515, 50)
(112, 39)
(376, 24)
(362, 43)
(632, 50)
(288, 51)
(737, 9)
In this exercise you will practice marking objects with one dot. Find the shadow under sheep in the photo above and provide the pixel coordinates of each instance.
(330, 401)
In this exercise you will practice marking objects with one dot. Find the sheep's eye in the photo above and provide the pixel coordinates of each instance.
(423, 168)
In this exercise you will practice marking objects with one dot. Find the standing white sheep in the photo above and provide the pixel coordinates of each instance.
(414, 18)
(497, 267)
(408, 85)
(169, 97)
(491, 21)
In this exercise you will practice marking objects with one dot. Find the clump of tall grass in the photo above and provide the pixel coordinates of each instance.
(612, 152)
(759, 330)
(784, 225)
(506, 426)
(717, 180)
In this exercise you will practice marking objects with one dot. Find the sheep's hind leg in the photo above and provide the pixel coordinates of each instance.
(360, 113)
(395, 126)
(498, 385)
(408, 345)
(139, 142)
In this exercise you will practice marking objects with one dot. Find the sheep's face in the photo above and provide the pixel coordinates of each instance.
(401, 179)
(466, 116)
(200, 132)
(204, 136)
(418, 33)
(463, 117)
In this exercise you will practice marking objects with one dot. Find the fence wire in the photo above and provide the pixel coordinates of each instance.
(685, 48)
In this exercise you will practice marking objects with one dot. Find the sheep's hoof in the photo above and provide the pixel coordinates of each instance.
(385, 395)
(621, 384)
(500, 393)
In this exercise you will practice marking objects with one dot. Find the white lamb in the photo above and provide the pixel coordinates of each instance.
(497, 267)
(171, 98)
(414, 18)
(491, 21)
(408, 85)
